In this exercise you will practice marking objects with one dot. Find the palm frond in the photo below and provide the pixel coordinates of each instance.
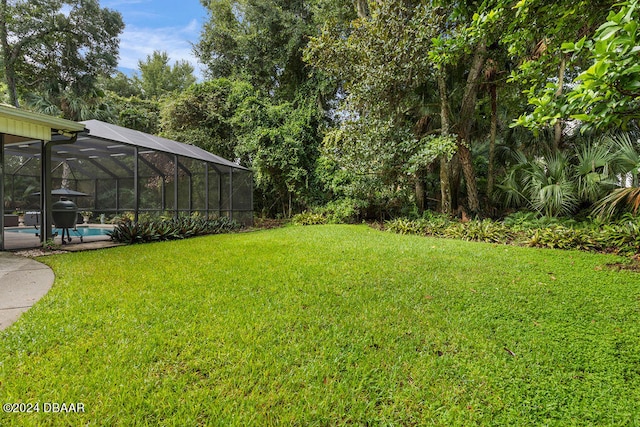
(627, 158)
(620, 199)
(593, 170)
(557, 199)
(547, 181)
(509, 190)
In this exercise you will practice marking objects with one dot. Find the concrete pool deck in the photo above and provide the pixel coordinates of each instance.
(16, 241)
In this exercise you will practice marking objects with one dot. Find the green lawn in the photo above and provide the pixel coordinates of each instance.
(329, 325)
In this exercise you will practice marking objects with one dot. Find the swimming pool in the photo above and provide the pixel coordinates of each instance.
(81, 231)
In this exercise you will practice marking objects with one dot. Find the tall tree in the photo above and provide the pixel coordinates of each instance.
(603, 60)
(537, 38)
(604, 93)
(57, 46)
(467, 40)
(445, 176)
(389, 62)
(203, 115)
(158, 77)
(121, 84)
(279, 142)
(136, 113)
(379, 58)
(256, 39)
(262, 41)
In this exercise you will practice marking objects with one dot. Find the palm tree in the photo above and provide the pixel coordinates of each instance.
(510, 190)
(627, 158)
(594, 170)
(626, 164)
(588, 171)
(543, 183)
(72, 103)
(547, 181)
(627, 198)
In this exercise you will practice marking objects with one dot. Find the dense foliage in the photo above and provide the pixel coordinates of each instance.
(155, 230)
(525, 229)
(53, 52)
(205, 115)
(606, 92)
(369, 109)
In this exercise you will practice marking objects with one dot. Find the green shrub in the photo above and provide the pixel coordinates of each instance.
(520, 221)
(309, 218)
(343, 211)
(624, 234)
(621, 237)
(484, 231)
(442, 226)
(431, 224)
(405, 226)
(155, 230)
(529, 229)
(560, 237)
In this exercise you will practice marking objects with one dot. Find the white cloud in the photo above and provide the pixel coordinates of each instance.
(116, 3)
(137, 42)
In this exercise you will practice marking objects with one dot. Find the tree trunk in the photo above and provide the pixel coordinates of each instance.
(362, 8)
(12, 85)
(454, 179)
(492, 140)
(467, 113)
(470, 179)
(445, 187)
(8, 59)
(445, 179)
(420, 193)
(557, 128)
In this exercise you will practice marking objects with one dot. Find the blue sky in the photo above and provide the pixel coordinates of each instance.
(165, 25)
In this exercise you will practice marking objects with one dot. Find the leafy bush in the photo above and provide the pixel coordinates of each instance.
(621, 237)
(560, 237)
(309, 218)
(481, 231)
(155, 230)
(529, 229)
(344, 211)
(406, 226)
(520, 221)
(431, 224)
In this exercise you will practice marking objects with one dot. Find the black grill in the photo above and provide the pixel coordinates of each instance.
(64, 214)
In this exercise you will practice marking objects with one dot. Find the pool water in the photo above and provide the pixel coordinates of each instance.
(81, 231)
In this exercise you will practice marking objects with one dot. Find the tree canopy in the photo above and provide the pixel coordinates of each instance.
(605, 91)
(379, 108)
(57, 49)
(158, 78)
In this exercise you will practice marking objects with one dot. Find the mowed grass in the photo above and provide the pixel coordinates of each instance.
(329, 325)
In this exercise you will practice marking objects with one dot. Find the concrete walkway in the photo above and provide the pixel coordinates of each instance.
(23, 282)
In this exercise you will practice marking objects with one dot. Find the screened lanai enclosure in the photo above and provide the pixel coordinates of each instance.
(119, 171)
